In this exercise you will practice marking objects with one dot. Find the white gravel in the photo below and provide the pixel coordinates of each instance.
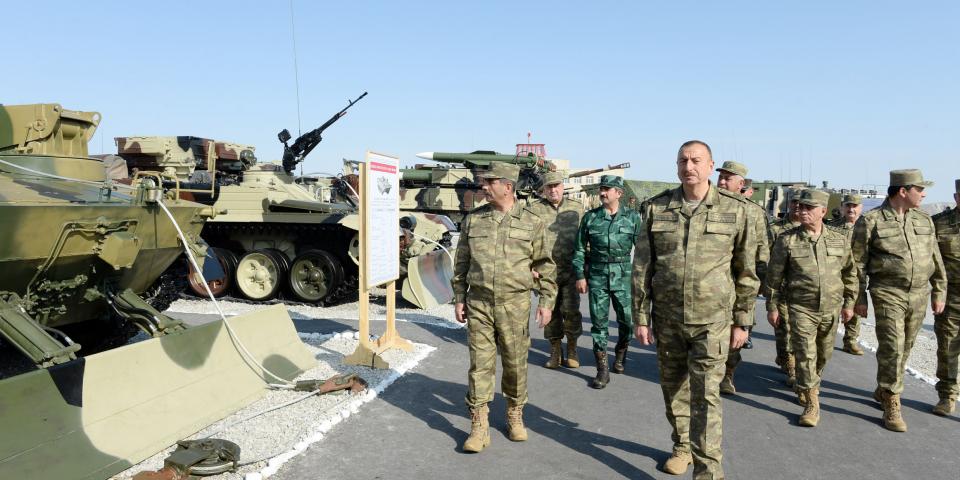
(922, 363)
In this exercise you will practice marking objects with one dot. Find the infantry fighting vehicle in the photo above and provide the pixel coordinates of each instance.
(76, 250)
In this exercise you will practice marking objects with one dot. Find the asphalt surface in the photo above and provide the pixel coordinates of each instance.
(414, 430)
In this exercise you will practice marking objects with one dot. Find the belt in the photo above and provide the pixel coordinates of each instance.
(610, 258)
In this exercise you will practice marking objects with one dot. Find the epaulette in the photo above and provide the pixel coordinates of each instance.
(835, 228)
(735, 196)
(481, 207)
(666, 193)
(925, 214)
(945, 213)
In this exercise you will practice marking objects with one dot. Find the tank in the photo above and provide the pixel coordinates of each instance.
(77, 249)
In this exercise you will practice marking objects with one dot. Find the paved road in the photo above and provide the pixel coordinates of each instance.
(414, 430)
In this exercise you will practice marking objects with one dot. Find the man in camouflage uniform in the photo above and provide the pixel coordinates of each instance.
(731, 179)
(601, 260)
(895, 248)
(947, 324)
(562, 218)
(811, 270)
(502, 242)
(785, 358)
(694, 289)
(851, 206)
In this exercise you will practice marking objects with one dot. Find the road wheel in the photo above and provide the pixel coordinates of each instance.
(260, 274)
(219, 287)
(315, 274)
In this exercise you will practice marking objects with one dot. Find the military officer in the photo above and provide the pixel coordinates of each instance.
(601, 260)
(732, 179)
(694, 289)
(811, 270)
(947, 325)
(895, 248)
(502, 242)
(785, 358)
(851, 206)
(562, 218)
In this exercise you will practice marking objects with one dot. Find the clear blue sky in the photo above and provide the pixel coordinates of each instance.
(853, 88)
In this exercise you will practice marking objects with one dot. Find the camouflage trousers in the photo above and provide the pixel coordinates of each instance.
(691, 359)
(491, 327)
(782, 334)
(851, 331)
(600, 298)
(812, 333)
(898, 322)
(566, 319)
(947, 328)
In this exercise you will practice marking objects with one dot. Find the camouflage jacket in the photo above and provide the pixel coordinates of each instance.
(562, 223)
(896, 255)
(496, 253)
(947, 224)
(610, 240)
(841, 225)
(764, 236)
(696, 266)
(815, 273)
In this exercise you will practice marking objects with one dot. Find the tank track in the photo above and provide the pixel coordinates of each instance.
(168, 286)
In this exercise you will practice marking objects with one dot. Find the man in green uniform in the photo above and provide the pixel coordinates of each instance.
(601, 259)
(811, 271)
(947, 324)
(694, 289)
(851, 206)
(895, 248)
(785, 358)
(562, 218)
(502, 242)
(732, 180)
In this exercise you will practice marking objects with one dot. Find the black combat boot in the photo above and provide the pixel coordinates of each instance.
(620, 355)
(603, 375)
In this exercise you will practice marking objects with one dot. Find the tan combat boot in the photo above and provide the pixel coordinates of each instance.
(479, 430)
(892, 418)
(790, 368)
(852, 349)
(878, 396)
(678, 463)
(811, 414)
(515, 429)
(603, 374)
(726, 385)
(573, 360)
(801, 397)
(554, 360)
(945, 406)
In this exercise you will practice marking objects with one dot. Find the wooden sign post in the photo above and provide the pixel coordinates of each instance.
(379, 255)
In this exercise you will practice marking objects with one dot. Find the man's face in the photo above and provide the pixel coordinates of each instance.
(609, 196)
(553, 193)
(793, 209)
(496, 190)
(913, 195)
(851, 212)
(810, 215)
(730, 182)
(694, 165)
(748, 192)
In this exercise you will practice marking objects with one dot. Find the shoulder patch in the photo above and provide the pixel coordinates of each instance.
(735, 196)
(664, 194)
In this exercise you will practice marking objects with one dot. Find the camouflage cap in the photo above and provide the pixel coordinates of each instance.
(908, 177)
(552, 178)
(815, 198)
(503, 170)
(797, 193)
(611, 181)
(747, 183)
(851, 198)
(735, 168)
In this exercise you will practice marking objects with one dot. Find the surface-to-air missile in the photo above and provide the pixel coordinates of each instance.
(452, 187)
(277, 235)
(76, 249)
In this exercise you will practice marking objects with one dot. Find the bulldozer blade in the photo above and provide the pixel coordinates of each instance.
(98, 415)
(428, 280)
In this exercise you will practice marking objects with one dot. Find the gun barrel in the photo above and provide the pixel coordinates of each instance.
(479, 158)
(598, 170)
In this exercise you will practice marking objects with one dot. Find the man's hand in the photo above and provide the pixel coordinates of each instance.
(738, 336)
(846, 314)
(773, 318)
(582, 286)
(642, 332)
(543, 316)
(938, 307)
(459, 311)
(536, 274)
(860, 310)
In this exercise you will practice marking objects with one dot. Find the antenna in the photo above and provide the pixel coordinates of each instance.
(296, 73)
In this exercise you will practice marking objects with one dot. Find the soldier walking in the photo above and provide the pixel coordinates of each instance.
(608, 232)
(851, 206)
(502, 243)
(811, 270)
(947, 325)
(732, 179)
(694, 289)
(561, 216)
(895, 249)
(785, 359)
